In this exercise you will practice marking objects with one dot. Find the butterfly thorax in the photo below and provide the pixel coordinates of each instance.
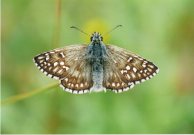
(96, 49)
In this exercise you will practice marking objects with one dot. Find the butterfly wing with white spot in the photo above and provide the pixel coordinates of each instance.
(69, 65)
(124, 69)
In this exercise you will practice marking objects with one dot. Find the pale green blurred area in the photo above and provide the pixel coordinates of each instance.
(159, 30)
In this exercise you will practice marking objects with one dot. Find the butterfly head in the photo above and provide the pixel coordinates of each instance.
(96, 37)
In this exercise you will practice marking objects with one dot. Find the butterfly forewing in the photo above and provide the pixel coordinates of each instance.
(69, 65)
(127, 69)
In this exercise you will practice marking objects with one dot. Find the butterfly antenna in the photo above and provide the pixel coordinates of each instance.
(79, 30)
(112, 29)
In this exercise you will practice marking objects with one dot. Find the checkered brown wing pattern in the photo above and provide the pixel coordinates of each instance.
(124, 69)
(69, 65)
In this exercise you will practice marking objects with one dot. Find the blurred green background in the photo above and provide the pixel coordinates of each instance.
(159, 30)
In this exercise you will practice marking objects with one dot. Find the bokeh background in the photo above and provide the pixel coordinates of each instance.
(159, 30)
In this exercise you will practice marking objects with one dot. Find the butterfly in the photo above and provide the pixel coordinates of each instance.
(95, 67)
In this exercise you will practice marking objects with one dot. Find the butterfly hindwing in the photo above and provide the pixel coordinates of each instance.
(113, 79)
(78, 79)
(69, 65)
(124, 69)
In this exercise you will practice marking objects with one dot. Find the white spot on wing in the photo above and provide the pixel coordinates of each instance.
(66, 68)
(130, 58)
(150, 76)
(55, 77)
(137, 82)
(60, 71)
(123, 71)
(40, 57)
(143, 65)
(145, 62)
(86, 91)
(49, 75)
(47, 58)
(133, 75)
(45, 72)
(75, 92)
(131, 85)
(62, 63)
(81, 92)
(70, 90)
(128, 67)
(41, 61)
(128, 76)
(66, 79)
(142, 80)
(119, 91)
(151, 66)
(157, 70)
(125, 89)
(62, 54)
(122, 83)
(55, 64)
(134, 69)
(54, 70)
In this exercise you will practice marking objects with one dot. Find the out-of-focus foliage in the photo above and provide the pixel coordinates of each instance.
(160, 30)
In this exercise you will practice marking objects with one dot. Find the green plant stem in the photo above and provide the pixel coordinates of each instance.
(56, 36)
(22, 96)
